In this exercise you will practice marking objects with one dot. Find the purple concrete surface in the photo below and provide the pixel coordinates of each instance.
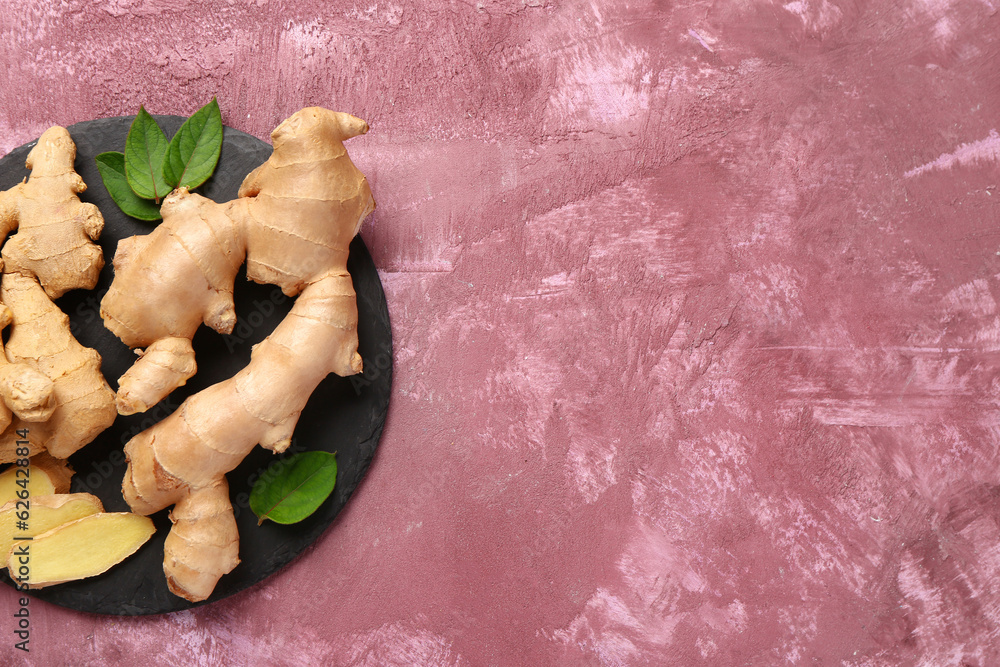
(696, 318)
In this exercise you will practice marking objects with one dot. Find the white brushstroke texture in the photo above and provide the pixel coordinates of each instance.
(984, 150)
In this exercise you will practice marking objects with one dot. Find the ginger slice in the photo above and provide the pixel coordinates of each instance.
(43, 514)
(37, 482)
(79, 549)
(44, 476)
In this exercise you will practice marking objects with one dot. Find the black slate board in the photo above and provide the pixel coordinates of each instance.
(344, 415)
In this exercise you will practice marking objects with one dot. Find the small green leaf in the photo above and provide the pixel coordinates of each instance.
(292, 489)
(145, 147)
(112, 168)
(194, 151)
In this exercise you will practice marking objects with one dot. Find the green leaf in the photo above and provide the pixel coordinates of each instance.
(145, 147)
(112, 168)
(194, 150)
(292, 489)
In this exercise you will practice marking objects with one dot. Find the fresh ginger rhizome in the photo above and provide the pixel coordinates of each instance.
(292, 224)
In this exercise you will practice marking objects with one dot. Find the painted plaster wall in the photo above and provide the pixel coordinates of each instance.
(695, 314)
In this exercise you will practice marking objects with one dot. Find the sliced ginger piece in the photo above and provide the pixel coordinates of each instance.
(37, 482)
(46, 475)
(79, 549)
(44, 513)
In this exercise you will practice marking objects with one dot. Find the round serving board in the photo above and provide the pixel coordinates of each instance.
(344, 415)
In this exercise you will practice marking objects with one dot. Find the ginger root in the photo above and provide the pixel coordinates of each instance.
(166, 364)
(41, 338)
(55, 230)
(293, 223)
(26, 391)
(202, 543)
(51, 383)
(83, 548)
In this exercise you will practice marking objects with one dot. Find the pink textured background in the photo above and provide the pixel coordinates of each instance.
(696, 318)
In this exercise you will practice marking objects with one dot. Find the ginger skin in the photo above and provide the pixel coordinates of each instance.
(55, 229)
(41, 338)
(51, 383)
(293, 223)
(26, 391)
